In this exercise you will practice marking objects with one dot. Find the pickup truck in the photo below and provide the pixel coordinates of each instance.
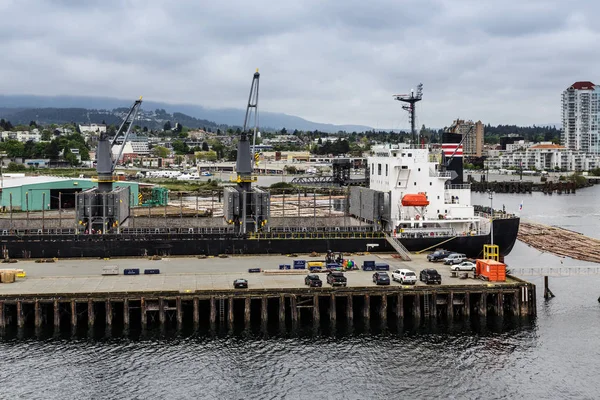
(430, 275)
(337, 279)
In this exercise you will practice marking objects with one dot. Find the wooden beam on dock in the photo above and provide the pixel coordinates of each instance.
(483, 304)
(467, 305)
(126, 313)
(264, 312)
(196, 312)
(450, 305)
(417, 306)
(161, 311)
(247, 312)
(230, 312)
(500, 304)
(144, 310)
(109, 313)
(2, 320)
(332, 310)
(73, 313)
(399, 306)
(213, 312)
(316, 311)
(20, 322)
(281, 309)
(179, 312)
(383, 308)
(294, 310)
(91, 314)
(350, 310)
(56, 314)
(37, 314)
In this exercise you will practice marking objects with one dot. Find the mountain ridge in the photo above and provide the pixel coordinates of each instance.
(227, 116)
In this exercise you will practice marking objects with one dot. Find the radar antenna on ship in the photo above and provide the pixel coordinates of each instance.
(411, 99)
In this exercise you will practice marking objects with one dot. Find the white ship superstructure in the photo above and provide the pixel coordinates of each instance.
(422, 202)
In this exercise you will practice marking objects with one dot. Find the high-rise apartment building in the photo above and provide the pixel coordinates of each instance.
(473, 143)
(580, 117)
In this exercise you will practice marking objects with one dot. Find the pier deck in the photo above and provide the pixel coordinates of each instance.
(199, 291)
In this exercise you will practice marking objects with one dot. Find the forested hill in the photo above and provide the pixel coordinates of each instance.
(532, 133)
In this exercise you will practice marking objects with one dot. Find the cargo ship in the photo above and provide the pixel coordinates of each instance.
(415, 201)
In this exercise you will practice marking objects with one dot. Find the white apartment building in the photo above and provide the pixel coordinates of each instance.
(21, 136)
(580, 117)
(96, 128)
(544, 156)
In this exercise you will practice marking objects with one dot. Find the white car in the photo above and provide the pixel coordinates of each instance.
(404, 276)
(463, 266)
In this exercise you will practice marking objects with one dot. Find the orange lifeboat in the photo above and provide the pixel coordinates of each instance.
(415, 200)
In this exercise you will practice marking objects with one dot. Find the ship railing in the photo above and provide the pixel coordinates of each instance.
(497, 215)
(464, 186)
(439, 174)
(315, 235)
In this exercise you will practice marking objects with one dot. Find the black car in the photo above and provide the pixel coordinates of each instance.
(430, 275)
(240, 284)
(313, 280)
(438, 255)
(336, 279)
(381, 278)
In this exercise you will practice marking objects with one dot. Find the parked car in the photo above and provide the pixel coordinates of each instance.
(438, 255)
(313, 280)
(404, 276)
(240, 284)
(430, 275)
(337, 279)
(455, 258)
(463, 266)
(381, 278)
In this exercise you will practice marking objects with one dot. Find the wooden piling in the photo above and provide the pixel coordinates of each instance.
(247, 312)
(20, 321)
(350, 310)
(516, 309)
(196, 312)
(91, 315)
(294, 310)
(109, 314)
(367, 308)
(161, 311)
(332, 310)
(230, 312)
(433, 311)
(483, 305)
(143, 311)
(213, 312)
(126, 313)
(264, 314)
(384, 307)
(38, 314)
(73, 314)
(316, 311)
(281, 309)
(417, 306)
(179, 312)
(467, 305)
(2, 320)
(56, 314)
(450, 306)
(499, 304)
(399, 306)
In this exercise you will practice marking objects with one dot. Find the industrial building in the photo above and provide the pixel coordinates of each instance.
(36, 193)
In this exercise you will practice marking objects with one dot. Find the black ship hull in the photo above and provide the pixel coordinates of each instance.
(130, 245)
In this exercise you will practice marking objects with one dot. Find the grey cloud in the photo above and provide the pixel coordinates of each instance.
(338, 62)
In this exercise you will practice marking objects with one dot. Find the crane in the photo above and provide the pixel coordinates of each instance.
(105, 164)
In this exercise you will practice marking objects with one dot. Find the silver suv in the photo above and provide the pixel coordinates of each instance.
(455, 258)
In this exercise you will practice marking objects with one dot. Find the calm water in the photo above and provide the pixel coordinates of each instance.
(557, 356)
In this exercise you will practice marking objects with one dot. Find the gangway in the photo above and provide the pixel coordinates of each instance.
(398, 246)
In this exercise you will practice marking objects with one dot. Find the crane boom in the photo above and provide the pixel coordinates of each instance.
(128, 121)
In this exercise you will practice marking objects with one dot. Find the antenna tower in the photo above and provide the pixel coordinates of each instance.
(411, 99)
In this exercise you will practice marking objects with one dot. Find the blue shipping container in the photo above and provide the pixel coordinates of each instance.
(382, 267)
(288, 266)
(298, 263)
(131, 271)
(151, 271)
(281, 266)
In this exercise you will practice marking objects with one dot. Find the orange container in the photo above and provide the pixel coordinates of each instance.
(492, 270)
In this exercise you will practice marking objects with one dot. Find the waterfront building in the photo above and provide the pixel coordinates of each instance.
(580, 117)
(473, 143)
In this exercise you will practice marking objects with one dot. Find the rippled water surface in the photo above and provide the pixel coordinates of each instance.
(557, 356)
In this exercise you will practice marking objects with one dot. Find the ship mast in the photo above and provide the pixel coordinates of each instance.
(410, 106)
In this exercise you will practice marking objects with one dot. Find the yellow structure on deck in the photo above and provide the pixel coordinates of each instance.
(491, 252)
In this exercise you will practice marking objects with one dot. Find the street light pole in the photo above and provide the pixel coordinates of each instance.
(491, 197)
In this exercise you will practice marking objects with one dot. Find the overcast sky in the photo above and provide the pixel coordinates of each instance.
(328, 61)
